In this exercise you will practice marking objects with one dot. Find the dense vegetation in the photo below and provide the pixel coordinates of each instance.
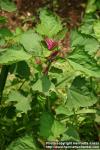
(50, 80)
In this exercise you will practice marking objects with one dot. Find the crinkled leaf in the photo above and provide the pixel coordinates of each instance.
(22, 103)
(31, 42)
(50, 24)
(23, 143)
(11, 56)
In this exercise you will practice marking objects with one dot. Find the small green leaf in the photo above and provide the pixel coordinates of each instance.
(22, 103)
(58, 128)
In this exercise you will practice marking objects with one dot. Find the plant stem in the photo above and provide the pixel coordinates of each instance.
(3, 78)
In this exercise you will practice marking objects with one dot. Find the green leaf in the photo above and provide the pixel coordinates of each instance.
(11, 56)
(97, 29)
(91, 46)
(91, 6)
(5, 32)
(3, 19)
(46, 121)
(76, 99)
(70, 134)
(23, 143)
(31, 42)
(85, 69)
(83, 63)
(7, 5)
(76, 38)
(58, 128)
(50, 24)
(22, 103)
(63, 110)
(43, 85)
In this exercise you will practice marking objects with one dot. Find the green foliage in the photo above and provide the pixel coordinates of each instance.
(97, 29)
(22, 103)
(31, 42)
(10, 56)
(45, 128)
(52, 97)
(23, 143)
(50, 25)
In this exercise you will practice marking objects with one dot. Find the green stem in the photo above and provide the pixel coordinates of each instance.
(3, 78)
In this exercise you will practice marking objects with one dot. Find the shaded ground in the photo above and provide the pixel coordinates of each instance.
(70, 10)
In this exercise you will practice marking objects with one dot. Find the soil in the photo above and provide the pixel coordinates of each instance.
(71, 11)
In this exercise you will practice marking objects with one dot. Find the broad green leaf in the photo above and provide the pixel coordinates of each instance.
(11, 56)
(76, 99)
(23, 143)
(85, 70)
(22, 103)
(58, 128)
(97, 29)
(31, 42)
(46, 121)
(50, 24)
(76, 38)
(43, 85)
(7, 5)
(70, 134)
(91, 46)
